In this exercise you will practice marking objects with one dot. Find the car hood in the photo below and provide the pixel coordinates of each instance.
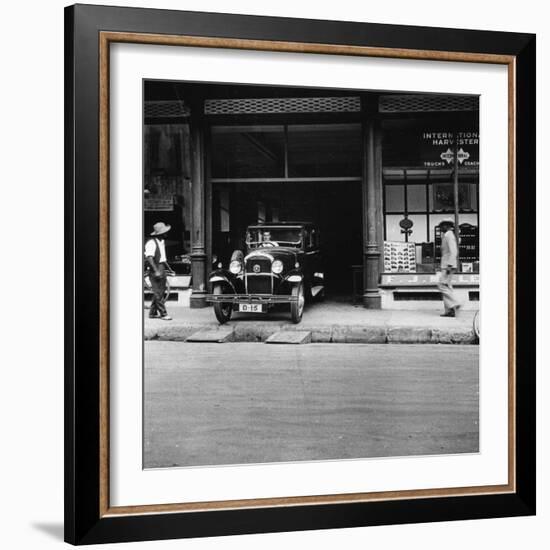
(288, 256)
(276, 252)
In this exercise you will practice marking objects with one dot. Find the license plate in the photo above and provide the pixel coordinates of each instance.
(251, 308)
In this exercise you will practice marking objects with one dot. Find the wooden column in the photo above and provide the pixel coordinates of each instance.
(208, 198)
(371, 212)
(379, 194)
(198, 249)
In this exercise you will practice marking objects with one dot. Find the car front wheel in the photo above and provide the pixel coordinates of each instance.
(222, 309)
(297, 307)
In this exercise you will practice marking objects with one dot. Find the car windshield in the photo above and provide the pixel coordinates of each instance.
(274, 236)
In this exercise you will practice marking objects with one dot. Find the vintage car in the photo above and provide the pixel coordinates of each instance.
(281, 265)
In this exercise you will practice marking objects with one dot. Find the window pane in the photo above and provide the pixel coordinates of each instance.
(423, 251)
(324, 150)
(393, 230)
(469, 242)
(247, 152)
(418, 229)
(473, 195)
(467, 218)
(416, 198)
(435, 220)
(166, 150)
(395, 198)
(224, 211)
(167, 189)
(442, 197)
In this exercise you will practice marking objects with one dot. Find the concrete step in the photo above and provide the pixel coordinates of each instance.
(212, 335)
(290, 337)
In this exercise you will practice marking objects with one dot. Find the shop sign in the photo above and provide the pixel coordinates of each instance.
(426, 279)
(430, 148)
(449, 156)
(157, 204)
(439, 148)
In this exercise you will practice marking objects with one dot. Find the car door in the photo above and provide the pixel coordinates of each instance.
(313, 255)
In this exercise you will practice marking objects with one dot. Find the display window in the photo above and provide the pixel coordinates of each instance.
(167, 188)
(420, 184)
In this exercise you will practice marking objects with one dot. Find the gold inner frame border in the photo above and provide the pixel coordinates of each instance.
(105, 40)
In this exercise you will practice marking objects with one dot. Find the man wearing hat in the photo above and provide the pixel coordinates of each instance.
(449, 257)
(157, 267)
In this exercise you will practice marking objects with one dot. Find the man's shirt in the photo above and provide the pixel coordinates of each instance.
(449, 249)
(151, 247)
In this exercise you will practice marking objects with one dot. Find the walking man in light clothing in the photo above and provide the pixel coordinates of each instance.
(449, 257)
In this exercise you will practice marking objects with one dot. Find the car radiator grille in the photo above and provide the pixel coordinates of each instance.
(258, 281)
(259, 285)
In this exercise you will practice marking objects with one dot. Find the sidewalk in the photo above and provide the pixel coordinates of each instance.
(327, 322)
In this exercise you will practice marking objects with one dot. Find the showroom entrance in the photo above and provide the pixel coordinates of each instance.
(334, 206)
(290, 172)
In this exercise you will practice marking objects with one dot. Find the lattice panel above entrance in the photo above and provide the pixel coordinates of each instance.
(279, 105)
(406, 103)
(166, 109)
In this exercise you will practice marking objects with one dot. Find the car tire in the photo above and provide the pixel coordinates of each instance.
(222, 310)
(297, 308)
(476, 325)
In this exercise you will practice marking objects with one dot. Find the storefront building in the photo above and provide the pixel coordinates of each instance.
(375, 172)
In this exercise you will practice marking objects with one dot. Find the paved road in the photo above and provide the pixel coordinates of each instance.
(211, 404)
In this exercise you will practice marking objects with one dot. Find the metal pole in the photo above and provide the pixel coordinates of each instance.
(406, 203)
(455, 187)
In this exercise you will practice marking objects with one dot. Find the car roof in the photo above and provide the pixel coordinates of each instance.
(280, 224)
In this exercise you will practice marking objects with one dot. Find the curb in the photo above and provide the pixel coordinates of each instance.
(347, 334)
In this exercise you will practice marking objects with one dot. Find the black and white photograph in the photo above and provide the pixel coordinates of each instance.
(285, 278)
(311, 274)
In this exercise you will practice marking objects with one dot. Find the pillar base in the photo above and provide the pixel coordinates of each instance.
(197, 300)
(372, 300)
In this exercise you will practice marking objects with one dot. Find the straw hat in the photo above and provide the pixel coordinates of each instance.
(160, 228)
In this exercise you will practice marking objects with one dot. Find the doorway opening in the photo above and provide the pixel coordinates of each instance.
(334, 206)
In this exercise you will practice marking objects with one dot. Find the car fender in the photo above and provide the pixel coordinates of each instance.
(225, 278)
(293, 277)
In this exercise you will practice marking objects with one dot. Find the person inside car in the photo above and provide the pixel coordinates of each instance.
(266, 241)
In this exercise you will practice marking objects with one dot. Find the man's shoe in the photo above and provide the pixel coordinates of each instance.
(450, 313)
(168, 318)
(157, 316)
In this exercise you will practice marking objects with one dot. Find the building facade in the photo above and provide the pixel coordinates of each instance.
(377, 172)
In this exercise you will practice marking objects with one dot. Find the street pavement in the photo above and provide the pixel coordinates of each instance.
(242, 403)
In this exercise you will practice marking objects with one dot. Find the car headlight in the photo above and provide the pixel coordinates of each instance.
(235, 267)
(277, 267)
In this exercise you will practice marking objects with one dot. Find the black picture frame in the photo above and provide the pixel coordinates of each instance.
(85, 523)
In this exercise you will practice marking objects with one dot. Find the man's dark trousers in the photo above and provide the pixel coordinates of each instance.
(158, 286)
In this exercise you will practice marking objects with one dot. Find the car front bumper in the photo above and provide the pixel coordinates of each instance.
(251, 298)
